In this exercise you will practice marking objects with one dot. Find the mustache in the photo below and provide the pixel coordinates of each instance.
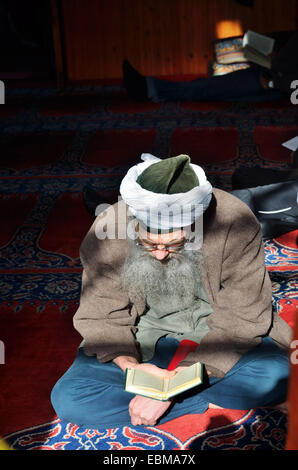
(147, 255)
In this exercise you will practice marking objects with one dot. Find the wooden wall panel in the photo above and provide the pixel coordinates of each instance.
(159, 37)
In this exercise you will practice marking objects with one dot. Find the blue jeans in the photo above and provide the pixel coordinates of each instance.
(242, 85)
(91, 394)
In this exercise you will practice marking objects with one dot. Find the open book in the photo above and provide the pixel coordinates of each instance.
(149, 385)
(257, 47)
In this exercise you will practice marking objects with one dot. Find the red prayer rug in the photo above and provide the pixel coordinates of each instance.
(52, 146)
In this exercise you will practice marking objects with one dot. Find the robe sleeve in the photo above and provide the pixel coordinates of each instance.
(105, 318)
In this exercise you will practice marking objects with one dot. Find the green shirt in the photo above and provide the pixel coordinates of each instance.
(166, 318)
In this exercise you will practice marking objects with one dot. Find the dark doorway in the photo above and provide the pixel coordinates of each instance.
(26, 41)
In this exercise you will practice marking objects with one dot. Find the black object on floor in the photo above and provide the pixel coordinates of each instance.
(134, 82)
(274, 205)
(92, 199)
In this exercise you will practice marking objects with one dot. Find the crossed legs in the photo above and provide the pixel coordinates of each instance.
(91, 394)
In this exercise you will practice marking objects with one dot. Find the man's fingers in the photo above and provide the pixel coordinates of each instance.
(166, 373)
(151, 368)
(135, 420)
(138, 421)
(130, 406)
(136, 415)
(180, 368)
(169, 375)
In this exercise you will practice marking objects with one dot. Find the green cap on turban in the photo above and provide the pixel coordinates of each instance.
(169, 176)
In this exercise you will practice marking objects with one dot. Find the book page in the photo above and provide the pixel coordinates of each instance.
(185, 375)
(261, 43)
(142, 379)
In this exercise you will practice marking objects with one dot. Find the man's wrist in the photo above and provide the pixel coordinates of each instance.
(125, 362)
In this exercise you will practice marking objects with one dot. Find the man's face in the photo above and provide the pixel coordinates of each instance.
(161, 245)
(154, 269)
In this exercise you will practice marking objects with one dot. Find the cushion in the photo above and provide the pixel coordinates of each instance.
(216, 69)
(229, 50)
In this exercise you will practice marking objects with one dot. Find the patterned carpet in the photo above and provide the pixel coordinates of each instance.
(52, 145)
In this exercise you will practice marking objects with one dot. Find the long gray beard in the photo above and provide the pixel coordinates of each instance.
(175, 278)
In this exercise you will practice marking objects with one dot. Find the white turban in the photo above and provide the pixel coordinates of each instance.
(164, 211)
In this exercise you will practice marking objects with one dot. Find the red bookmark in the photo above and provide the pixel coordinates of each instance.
(185, 347)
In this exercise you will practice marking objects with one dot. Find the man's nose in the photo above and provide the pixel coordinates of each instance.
(160, 253)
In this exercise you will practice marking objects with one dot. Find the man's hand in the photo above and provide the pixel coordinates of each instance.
(179, 368)
(125, 362)
(146, 411)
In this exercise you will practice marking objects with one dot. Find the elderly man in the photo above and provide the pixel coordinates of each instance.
(151, 283)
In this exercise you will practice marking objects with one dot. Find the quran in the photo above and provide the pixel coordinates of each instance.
(257, 47)
(147, 384)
